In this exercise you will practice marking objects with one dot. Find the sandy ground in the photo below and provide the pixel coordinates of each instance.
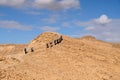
(73, 59)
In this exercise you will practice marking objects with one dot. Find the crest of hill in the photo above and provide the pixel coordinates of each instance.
(46, 37)
(40, 41)
(68, 43)
(89, 37)
(43, 38)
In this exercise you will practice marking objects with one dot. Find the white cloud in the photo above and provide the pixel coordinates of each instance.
(42, 4)
(14, 25)
(69, 4)
(48, 28)
(103, 20)
(56, 4)
(14, 3)
(103, 28)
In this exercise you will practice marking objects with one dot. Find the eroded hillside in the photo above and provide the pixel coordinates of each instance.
(6, 49)
(72, 59)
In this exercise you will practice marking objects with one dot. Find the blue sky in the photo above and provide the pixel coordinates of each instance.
(23, 20)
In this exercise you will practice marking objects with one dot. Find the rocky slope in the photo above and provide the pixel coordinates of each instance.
(72, 59)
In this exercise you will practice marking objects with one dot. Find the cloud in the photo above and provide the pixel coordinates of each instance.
(103, 28)
(103, 20)
(42, 4)
(48, 28)
(56, 4)
(90, 28)
(13, 3)
(33, 13)
(52, 18)
(14, 25)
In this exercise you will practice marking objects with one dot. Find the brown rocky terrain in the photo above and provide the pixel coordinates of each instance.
(72, 59)
(6, 49)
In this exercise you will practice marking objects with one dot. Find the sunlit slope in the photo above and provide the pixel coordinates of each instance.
(73, 59)
(6, 49)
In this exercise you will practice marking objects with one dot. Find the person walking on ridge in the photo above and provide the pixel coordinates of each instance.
(25, 51)
(31, 49)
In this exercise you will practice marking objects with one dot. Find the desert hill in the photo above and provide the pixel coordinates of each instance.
(72, 59)
(6, 49)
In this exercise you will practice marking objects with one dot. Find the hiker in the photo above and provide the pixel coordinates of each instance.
(47, 46)
(25, 51)
(51, 45)
(31, 49)
(55, 42)
(61, 38)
